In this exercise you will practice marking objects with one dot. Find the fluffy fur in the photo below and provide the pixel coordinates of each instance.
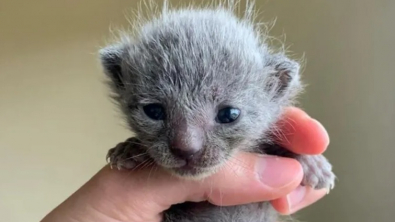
(195, 61)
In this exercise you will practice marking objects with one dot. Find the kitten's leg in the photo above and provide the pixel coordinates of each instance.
(317, 169)
(127, 155)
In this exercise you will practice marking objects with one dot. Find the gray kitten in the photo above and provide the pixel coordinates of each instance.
(197, 85)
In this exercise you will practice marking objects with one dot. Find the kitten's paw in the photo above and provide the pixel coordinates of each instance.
(317, 172)
(126, 155)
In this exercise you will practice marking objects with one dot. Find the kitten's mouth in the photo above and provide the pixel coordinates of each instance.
(193, 172)
(188, 169)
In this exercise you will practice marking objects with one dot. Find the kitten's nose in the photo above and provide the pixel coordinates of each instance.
(185, 153)
(187, 145)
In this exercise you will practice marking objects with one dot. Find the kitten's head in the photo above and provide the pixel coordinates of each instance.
(198, 85)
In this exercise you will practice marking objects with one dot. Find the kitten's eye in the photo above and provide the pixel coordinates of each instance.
(154, 111)
(227, 115)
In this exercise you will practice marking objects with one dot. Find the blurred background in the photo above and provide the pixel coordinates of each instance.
(57, 123)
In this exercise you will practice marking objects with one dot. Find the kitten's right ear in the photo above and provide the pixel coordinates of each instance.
(111, 59)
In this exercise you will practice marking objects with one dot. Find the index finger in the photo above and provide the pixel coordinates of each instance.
(302, 134)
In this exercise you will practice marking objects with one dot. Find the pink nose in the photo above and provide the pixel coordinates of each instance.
(186, 152)
(187, 144)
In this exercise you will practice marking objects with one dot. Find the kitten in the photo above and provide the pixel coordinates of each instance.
(196, 85)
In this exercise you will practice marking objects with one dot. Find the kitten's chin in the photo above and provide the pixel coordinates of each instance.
(193, 173)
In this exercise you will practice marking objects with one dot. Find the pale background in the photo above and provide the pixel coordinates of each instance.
(56, 121)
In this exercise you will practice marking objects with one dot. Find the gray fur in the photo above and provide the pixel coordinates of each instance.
(194, 61)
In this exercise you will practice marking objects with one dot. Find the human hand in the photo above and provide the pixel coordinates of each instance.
(142, 195)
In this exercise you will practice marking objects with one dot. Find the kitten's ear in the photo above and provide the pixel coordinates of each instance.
(111, 59)
(284, 80)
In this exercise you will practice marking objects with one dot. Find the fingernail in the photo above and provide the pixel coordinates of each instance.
(277, 172)
(296, 197)
(322, 129)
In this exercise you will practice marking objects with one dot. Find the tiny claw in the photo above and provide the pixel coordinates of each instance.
(327, 190)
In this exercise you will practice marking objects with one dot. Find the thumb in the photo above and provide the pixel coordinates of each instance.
(246, 178)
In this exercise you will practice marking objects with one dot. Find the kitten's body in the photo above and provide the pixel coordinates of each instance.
(174, 79)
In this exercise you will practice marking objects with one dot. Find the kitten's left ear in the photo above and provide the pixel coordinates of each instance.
(284, 80)
(111, 58)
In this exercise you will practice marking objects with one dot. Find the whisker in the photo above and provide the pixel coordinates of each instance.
(142, 164)
(138, 155)
(149, 175)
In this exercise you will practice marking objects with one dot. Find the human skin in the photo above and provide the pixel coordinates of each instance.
(142, 195)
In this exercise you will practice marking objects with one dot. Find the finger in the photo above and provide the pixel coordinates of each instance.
(142, 195)
(298, 199)
(302, 134)
(244, 179)
(258, 178)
